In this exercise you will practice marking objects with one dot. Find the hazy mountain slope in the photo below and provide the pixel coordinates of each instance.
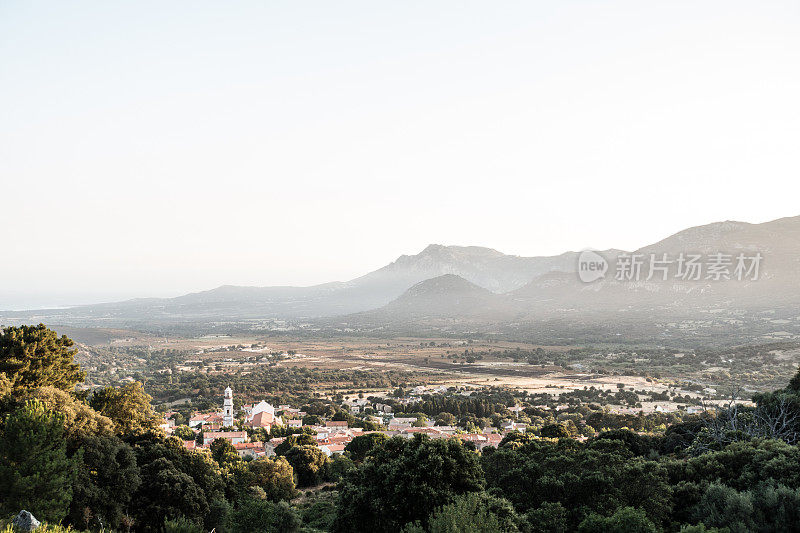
(536, 287)
(443, 304)
(484, 267)
(447, 295)
(778, 284)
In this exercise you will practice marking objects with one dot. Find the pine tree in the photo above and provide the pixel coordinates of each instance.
(35, 356)
(35, 472)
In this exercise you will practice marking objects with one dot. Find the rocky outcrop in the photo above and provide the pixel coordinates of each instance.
(25, 521)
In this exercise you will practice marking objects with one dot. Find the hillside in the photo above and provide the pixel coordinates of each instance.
(778, 280)
(444, 296)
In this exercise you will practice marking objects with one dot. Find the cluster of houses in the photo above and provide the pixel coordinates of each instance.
(331, 436)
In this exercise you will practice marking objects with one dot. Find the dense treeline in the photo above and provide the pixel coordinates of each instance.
(280, 384)
(479, 406)
(96, 462)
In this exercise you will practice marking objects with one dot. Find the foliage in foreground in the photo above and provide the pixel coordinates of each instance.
(95, 463)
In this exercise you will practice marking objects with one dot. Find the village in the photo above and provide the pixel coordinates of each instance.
(331, 436)
(249, 428)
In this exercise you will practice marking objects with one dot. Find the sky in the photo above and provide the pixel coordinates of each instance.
(160, 148)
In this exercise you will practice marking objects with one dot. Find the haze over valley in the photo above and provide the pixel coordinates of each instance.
(460, 289)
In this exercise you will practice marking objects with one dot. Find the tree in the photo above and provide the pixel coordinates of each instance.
(769, 506)
(175, 482)
(5, 385)
(184, 433)
(559, 431)
(166, 493)
(106, 479)
(128, 406)
(742, 465)
(794, 383)
(308, 462)
(181, 525)
(338, 467)
(404, 481)
(361, 445)
(302, 439)
(550, 517)
(594, 477)
(637, 444)
(34, 356)
(220, 448)
(318, 514)
(275, 476)
(624, 520)
(474, 512)
(266, 516)
(78, 418)
(445, 419)
(311, 420)
(35, 472)
(344, 416)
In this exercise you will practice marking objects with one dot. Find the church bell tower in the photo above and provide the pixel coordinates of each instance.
(227, 408)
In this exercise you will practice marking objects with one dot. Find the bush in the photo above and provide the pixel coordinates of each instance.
(181, 525)
(474, 512)
(625, 520)
(268, 517)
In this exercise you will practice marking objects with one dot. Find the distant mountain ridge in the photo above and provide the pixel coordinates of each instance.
(485, 267)
(561, 296)
(482, 284)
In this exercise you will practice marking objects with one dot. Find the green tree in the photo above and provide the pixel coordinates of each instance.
(128, 406)
(624, 520)
(184, 433)
(598, 476)
(338, 467)
(220, 450)
(474, 512)
(560, 431)
(106, 479)
(35, 356)
(275, 476)
(181, 525)
(361, 445)
(446, 419)
(265, 516)
(404, 481)
(175, 482)
(550, 517)
(35, 472)
(167, 493)
(312, 420)
(320, 512)
(309, 464)
(79, 419)
(767, 507)
(301, 439)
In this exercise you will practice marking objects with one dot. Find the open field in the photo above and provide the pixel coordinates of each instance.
(112, 355)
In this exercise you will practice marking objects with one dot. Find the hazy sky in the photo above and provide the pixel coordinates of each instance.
(151, 149)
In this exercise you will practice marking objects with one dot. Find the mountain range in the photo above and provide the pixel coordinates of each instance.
(475, 285)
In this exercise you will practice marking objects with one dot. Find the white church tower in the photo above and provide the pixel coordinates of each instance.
(227, 408)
